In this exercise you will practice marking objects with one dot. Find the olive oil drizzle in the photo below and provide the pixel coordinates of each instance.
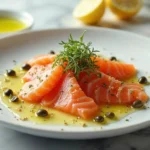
(27, 111)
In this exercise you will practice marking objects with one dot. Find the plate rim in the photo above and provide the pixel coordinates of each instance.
(73, 28)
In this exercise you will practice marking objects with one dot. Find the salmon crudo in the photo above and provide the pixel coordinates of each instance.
(78, 81)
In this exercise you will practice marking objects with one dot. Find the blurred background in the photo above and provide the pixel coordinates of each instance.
(58, 14)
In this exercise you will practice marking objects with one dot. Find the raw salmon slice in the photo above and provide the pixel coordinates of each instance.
(33, 72)
(118, 70)
(68, 97)
(34, 90)
(106, 89)
(42, 59)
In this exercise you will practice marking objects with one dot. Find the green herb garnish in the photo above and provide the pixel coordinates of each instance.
(76, 57)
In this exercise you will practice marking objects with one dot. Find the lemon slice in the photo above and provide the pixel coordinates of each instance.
(125, 9)
(89, 11)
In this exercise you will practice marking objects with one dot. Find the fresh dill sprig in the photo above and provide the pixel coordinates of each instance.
(76, 56)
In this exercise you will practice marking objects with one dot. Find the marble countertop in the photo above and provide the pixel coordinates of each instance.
(57, 14)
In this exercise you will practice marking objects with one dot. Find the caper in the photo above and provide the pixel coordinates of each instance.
(143, 80)
(8, 92)
(42, 113)
(137, 104)
(14, 99)
(11, 72)
(99, 119)
(110, 115)
(52, 52)
(113, 58)
(26, 67)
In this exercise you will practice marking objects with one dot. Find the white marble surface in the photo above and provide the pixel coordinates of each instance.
(57, 14)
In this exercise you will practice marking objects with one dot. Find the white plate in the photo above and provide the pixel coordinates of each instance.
(124, 45)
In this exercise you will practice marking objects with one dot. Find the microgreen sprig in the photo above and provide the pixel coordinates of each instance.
(76, 56)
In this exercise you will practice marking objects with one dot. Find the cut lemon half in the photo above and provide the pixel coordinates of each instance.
(89, 11)
(125, 9)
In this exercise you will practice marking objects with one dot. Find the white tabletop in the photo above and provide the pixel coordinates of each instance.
(57, 14)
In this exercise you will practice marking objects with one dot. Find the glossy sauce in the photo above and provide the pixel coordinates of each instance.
(26, 111)
(10, 25)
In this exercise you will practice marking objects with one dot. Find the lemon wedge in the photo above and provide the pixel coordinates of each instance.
(89, 11)
(125, 9)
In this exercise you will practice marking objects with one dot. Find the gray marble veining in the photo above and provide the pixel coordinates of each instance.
(57, 14)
